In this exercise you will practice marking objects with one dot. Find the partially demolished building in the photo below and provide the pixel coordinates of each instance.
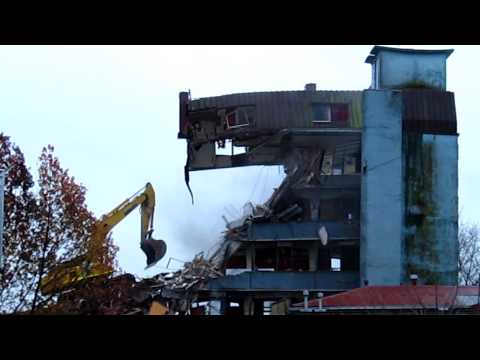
(370, 193)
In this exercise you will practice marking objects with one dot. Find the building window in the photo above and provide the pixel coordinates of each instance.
(239, 261)
(325, 113)
(321, 113)
(239, 117)
(292, 259)
(339, 112)
(265, 258)
(336, 264)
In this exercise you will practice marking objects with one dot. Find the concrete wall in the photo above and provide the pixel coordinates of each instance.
(382, 197)
(279, 280)
(293, 231)
(397, 70)
(431, 246)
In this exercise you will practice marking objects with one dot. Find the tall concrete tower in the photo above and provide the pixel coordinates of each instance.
(409, 202)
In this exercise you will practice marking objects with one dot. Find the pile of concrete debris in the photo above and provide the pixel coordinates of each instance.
(192, 277)
(165, 293)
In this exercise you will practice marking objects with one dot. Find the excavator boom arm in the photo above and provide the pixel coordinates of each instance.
(145, 198)
(71, 272)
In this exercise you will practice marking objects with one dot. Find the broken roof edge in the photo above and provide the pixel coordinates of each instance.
(376, 49)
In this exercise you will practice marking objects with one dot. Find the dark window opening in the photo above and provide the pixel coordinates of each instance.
(292, 259)
(329, 210)
(324, 259)
(233, 308)
(346, 209)
(321, 113)
(351, 258)
(237, 262)
(265, 258)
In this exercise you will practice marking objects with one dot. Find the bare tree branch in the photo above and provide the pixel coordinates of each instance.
(469, 254)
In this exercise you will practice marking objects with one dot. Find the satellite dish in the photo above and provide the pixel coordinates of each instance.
(323, 235)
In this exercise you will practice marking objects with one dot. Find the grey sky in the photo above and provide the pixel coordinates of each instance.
(112, 114)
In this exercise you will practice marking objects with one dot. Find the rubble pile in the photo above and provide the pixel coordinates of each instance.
(98, 296)
(193, 275)
(124, 295)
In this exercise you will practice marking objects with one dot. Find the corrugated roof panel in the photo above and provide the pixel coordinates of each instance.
(283, 109)
(429, 111)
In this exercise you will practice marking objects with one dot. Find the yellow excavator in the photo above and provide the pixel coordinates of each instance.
(91, 265)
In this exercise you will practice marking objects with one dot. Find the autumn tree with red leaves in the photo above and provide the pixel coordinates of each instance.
(17, 272)
(42, 229)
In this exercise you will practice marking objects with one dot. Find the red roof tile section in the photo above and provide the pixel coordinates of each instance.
(401, 296)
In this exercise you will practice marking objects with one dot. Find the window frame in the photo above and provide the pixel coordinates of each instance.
(330, 112)
(237, 113)
(329, 106)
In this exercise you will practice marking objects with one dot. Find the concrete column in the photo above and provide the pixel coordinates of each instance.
(250, 257)
(223, 306)
(248, 306)
(313, 256)
(314, 209)
(382, 199)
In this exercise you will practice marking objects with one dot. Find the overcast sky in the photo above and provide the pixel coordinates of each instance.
(112, 114)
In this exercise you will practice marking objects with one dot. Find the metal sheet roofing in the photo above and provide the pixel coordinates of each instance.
(376, 49)
(285, 109)
(430, 111)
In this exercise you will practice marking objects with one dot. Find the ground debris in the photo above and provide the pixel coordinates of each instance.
(124, 295)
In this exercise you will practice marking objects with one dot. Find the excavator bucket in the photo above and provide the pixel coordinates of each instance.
(154, 249)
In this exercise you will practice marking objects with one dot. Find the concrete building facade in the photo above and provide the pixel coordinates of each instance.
(370, 193)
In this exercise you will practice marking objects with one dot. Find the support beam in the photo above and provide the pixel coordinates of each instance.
(250, 258)
(248, 306)
(313, 256)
